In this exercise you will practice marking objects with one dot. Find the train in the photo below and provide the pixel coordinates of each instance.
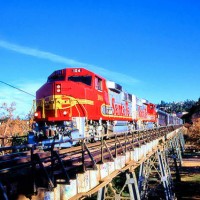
(78, 103)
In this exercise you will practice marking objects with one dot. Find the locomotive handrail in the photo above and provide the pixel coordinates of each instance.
(17, 150)
(34, 146)
(28, 146)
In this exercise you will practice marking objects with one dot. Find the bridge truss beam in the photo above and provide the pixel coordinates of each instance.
(166, 156)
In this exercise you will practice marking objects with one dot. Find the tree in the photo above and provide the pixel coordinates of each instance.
(176, 107)
(10, 125)
(6, 115)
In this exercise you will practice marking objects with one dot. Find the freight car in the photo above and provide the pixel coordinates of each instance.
(166, 119)
(79, 103)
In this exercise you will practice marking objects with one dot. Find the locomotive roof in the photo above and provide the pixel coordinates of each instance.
(83, 70)
(72, 71)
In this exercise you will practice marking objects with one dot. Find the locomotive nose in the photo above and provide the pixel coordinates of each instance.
(54, 106)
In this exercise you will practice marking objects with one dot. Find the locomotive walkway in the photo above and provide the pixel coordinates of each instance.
(81, 171)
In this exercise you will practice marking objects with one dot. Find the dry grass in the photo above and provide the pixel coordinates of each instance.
(193, 133)
(192, 178)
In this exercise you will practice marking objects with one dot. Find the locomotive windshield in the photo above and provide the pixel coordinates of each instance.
(82, 79)
(56, 76)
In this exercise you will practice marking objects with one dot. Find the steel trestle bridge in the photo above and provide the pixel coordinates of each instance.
(88, 168)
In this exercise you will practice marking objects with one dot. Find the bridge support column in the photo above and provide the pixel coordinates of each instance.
(3, 194)
(182, 141)
(165, 176)
(177, 149)
(174, 156)
(141, 177)
(144, 173)
(101, 194)
(131, 181)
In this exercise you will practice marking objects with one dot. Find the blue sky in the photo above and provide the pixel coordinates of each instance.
(152, 48)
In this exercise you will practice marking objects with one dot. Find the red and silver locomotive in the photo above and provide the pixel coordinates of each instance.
(83, 104)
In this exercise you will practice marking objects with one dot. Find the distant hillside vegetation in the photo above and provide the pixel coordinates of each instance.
(194, 113)
(191, 107)
(177, 107)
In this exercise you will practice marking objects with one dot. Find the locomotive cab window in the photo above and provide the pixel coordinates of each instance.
(98, 83)
(81, 79)
(56, 76)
